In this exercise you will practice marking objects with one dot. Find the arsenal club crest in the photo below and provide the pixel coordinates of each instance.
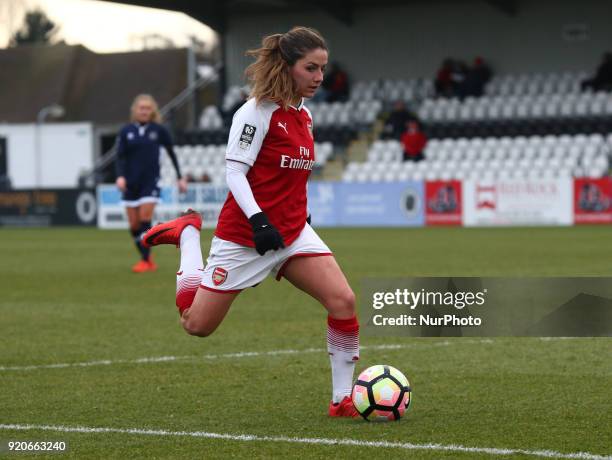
(309, 125)
(219, 276)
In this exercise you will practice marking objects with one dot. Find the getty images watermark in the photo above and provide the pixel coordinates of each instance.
(486, 307)
(412, 300)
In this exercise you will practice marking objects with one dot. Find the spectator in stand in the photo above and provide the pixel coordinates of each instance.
(336, 84)
(458, 79)
(413, 141)
(443, 82)
(477, 77)
(602, 81)
(396, 123)
(229, 115)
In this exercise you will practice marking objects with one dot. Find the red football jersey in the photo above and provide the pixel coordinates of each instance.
(279, 147)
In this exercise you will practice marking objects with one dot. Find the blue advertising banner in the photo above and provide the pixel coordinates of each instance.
(388, 204)
(206, 198)
(332, 204)
(323, 203)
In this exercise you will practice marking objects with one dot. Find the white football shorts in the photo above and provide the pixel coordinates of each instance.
(231, 267)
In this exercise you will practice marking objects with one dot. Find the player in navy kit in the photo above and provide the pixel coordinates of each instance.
(263, 227)
(137, 168)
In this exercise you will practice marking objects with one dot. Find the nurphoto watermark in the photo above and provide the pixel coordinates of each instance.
(487, 307)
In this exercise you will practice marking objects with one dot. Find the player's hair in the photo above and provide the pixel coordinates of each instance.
(155, 115)
(269, 75)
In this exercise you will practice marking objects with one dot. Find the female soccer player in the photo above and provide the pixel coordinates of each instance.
(263, 225)
(137, 167)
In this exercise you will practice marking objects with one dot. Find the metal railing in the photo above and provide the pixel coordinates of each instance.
(92, 177)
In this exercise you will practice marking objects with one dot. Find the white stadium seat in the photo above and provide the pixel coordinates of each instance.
(534, 157)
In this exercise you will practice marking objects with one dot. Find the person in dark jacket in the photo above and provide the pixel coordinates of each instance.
(602, 81)
(396, 123)
(137, 168)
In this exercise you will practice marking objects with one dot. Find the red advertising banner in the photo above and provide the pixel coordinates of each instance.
(443, 202)
(593, 201)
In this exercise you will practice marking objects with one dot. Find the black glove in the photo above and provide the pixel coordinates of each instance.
(308, 219)
(265, 235)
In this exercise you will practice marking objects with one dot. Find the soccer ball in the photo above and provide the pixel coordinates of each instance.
(381, 393)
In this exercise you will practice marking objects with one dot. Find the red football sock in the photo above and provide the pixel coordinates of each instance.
(343, 349)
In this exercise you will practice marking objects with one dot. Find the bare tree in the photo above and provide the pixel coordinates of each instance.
(37, 28)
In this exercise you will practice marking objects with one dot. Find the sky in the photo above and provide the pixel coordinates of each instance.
(104, 27)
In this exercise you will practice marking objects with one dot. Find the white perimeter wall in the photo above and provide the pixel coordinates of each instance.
(66, 150)
(411, 41)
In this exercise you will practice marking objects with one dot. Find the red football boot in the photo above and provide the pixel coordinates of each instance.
(144, 266)
(152, 264)
(141, 266)
(344, 408)
(170, 232)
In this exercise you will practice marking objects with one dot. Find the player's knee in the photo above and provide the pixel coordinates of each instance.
(348, 301)
(343, 304)
(197, 328)
(199, 332)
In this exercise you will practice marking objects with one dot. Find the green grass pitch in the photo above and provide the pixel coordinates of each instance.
(68, 296)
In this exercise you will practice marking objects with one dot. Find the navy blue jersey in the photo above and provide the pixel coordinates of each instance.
(138, 152)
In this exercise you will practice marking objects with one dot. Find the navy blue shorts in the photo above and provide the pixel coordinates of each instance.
(137, 194)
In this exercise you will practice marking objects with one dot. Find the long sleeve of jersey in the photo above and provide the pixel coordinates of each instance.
(121, 160)
(235, 174)
(166, 141)
(172, 156)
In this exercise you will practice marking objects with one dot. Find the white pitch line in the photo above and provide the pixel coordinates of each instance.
(240, 354)
(253, 354)
(319, 441)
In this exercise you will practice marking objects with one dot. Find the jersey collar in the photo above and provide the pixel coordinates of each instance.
(299, 106)
(142, 129)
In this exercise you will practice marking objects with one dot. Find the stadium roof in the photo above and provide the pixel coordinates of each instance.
(214, 13)
(90, 86)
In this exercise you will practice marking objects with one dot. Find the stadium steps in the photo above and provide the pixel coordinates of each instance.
(358, 150)
(333, 170)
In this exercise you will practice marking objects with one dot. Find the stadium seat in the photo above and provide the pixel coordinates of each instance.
(507, 157)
